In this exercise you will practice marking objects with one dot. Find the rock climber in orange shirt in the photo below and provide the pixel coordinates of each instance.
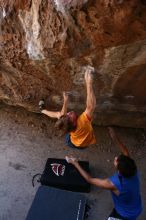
(78, 129)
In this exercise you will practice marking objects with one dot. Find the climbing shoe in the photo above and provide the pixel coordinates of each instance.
(41, 104)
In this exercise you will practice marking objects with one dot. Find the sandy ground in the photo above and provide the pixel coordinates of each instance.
(27, 140)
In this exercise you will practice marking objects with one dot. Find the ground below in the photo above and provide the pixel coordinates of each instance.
(27, 140)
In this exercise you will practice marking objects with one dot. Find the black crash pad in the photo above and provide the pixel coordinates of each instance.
(55, 204)
(58, 173)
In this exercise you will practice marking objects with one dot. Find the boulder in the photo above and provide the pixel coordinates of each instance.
(45, 45)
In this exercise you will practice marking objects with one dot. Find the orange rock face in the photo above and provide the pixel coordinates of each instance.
(44, 45)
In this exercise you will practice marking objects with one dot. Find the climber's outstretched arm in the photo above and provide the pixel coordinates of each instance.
(91, 100)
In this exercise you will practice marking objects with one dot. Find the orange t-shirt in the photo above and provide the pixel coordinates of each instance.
(83, 135)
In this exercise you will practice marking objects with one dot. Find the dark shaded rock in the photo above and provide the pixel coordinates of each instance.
(45, 45)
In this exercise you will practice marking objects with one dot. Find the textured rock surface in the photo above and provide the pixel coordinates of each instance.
(45, 44)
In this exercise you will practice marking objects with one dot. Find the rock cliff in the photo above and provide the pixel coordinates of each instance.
(45, 44)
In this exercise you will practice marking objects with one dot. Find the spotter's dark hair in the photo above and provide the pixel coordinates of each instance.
(126, 166)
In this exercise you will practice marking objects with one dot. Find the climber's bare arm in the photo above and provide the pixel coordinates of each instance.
(51, 113)
(65, 103)
(91, 100)
(58, 114)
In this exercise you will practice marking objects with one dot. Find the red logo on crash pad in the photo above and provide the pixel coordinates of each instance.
(58, 169)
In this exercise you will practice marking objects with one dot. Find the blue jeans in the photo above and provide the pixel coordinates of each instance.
(70, 144)
(114, 214)
(68, 141)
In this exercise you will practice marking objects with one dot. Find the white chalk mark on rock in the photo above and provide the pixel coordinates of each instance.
(29, 20)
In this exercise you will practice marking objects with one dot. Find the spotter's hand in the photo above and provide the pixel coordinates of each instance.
(71, 159)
